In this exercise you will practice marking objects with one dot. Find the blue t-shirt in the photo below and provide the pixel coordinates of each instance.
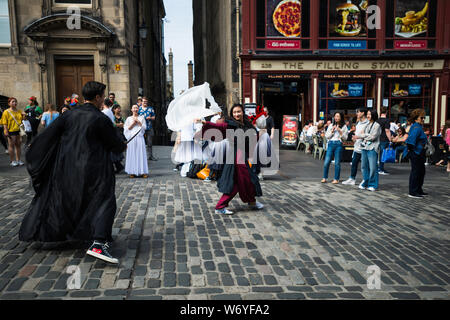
(150, 112)
(49, 118)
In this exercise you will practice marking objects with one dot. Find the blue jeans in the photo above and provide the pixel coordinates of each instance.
(383, 146)
(335, 149)
(355, 163)
(370, 168)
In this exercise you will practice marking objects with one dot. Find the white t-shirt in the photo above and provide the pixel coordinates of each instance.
(311, 131)
(108, 112)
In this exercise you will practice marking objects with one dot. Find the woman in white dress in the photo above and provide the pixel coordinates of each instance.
(189, 150)
(136, 162)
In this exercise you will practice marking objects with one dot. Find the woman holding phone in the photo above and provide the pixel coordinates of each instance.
(336, 134)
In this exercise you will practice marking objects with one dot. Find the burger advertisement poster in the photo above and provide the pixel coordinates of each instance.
(284, 18)
(348, 18)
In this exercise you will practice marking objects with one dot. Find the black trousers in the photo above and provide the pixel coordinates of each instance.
(3, 139)
(417, 176)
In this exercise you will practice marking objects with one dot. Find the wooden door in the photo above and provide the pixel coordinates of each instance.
(71, 76)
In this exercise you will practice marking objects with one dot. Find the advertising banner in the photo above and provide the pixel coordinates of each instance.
(347, 45)
(289, 132)
(250, 109)
(415, 89)
(284, 18)
(355, 89)
(407, 44)
(411, 18)
(347, 18)
(283, 45)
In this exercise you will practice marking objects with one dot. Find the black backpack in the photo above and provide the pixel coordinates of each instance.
(194, 169)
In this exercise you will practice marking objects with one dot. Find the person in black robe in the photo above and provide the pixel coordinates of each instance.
(237, 177)
(73, 177)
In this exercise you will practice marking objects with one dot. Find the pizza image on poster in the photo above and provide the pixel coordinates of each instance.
(287, 18)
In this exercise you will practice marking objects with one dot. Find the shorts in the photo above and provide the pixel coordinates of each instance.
(14, 134)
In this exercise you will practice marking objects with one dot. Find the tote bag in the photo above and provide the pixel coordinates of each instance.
(388, 155)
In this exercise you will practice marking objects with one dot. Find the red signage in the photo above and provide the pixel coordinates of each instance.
(283, 44)
(290, 127)
(411, 44)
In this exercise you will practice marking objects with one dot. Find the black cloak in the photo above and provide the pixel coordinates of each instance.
(73, 177)
(226, 180)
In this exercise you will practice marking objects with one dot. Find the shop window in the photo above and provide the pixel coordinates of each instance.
(411, 24)
(283, 25)
(344, 26)
(404, 95)
(345, 97)
(5, 31)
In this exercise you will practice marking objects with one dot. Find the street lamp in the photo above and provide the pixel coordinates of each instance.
(143, 31)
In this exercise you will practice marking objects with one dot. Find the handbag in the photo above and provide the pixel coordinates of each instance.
(204, 173)
(388, 155)
(22, 131)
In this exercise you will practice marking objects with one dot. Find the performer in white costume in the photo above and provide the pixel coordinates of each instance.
(136, 162)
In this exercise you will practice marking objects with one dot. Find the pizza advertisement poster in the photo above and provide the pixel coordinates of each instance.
(284, 18)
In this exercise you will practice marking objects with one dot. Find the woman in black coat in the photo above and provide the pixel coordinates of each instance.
(237, 176)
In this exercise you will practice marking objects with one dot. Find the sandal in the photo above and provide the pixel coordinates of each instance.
(324, 181)
(132, 176)
(335, 182)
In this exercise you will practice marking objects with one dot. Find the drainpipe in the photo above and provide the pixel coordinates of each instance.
(238, 48)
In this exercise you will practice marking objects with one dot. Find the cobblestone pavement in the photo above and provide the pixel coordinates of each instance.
(311, 241)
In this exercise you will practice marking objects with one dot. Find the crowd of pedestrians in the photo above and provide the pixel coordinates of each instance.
(378, 140)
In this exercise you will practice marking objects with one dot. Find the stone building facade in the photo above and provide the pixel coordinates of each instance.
(217, 48)
(54, 49)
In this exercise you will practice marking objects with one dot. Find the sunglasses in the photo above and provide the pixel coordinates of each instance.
(422, 118)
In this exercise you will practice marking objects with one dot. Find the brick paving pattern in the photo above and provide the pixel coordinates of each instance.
(311, 241)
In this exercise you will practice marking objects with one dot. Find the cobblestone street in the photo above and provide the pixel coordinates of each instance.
(311, 241)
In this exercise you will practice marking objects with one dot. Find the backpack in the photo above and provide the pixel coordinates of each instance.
(194, 169)
(429, 149)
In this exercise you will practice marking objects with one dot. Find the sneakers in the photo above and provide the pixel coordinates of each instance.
(383, 173)
(100, 251)
(257, 206)
(361, 186)
(208, 179)
(424, 194)
(260, 177)
(20, 163)
(415, 196)
(225, 212)
(152, 158)
(14, 164)
(372, 189)
(349, 182)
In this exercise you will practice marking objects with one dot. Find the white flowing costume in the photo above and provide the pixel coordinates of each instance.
(189, 150)
(136, 162)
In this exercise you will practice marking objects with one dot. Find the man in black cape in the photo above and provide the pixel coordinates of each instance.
(73, 176)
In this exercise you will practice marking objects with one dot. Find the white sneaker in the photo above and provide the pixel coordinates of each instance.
(372, 189)
(361, 186)
(257, 206)
(14, 164)
(20, 163)
(349, 182)
(6, 152)
(260, 176)
(225, 212)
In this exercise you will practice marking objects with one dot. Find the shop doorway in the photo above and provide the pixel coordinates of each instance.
(71, 75)
(285, 98)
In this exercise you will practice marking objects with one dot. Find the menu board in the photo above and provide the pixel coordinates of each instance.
(284, 18)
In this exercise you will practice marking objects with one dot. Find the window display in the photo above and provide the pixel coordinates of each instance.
(411, 21)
